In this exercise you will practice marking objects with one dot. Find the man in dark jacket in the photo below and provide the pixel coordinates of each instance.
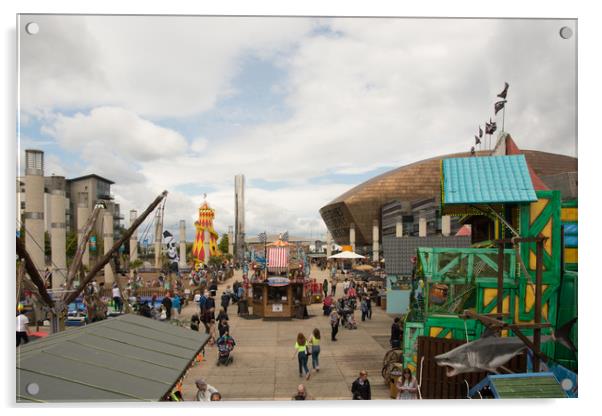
(145, 310)
(360, 389)
(166, 302)
(213, 287)
(225, 301)
(395, 334)
(209, 304)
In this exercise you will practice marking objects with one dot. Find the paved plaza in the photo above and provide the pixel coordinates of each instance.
(265, 363)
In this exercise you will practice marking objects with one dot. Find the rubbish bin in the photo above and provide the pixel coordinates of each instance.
(243, 307)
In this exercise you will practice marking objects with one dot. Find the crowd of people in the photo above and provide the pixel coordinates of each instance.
(211, 316)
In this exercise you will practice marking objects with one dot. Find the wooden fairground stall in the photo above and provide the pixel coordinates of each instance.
(278, 297)
(284, 289)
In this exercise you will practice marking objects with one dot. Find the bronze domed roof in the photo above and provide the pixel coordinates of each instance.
(361, 205)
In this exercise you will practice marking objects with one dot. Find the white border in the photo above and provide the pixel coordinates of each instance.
(589, 139)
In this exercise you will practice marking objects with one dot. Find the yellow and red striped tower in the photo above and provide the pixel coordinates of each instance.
(205, 242)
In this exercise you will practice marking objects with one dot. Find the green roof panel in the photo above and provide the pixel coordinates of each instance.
(127, 358)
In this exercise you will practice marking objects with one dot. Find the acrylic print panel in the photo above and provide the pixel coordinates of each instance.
(184, 182)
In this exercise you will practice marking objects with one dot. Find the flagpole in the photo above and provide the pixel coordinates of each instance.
(503, 117)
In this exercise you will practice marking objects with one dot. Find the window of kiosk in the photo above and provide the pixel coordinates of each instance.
(278, 294)
(298, 293)
(257, 295)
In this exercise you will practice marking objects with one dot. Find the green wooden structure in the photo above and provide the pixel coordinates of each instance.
(463, 265)
(411, 332)
(542, 217)
(451, 327)
(567, 310)
(468, 276)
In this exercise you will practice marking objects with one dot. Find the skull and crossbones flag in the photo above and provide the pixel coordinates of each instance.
(499, 105)
(477, 140)
(503, 94)
(490, 127)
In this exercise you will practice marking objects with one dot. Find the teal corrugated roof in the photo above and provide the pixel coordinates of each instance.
(128, 358)
(492, 179)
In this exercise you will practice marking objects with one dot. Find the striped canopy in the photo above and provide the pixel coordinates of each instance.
(277, 257)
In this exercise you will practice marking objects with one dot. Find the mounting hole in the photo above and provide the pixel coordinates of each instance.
(566, 384)
(566, 32)
(32, 28)
(33, 388)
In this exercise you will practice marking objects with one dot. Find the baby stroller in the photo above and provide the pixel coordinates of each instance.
(347, 318)
(225, 345)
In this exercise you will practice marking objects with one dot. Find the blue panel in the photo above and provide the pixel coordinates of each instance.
(492, 179)
(398, 301)
(570, 228)
(570, 241)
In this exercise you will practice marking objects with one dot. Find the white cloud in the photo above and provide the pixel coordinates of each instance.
(154, 65)
(121, 131)
(198, 145)
(399, 91)
(378, 93)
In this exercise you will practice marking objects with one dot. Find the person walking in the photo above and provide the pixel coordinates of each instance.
(176, 305)
(407, 387)
(166, 302)
(346, 285)
(22, 326)
(302, 393)
(226, 299)
(223, 327)
(117, 297)
(202, 303)
(210, 304)
(301, 348)
(325, 287)
(364, 308)
(213, 287)
(314, 343)
(395, 340)
(222, 315)
(369, 305)
(360, 389)
(204, 390)
(335, 319)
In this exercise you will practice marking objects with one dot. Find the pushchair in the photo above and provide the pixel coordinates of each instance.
(347, 318)
(225, 345)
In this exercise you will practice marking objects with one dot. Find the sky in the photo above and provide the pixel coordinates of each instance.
(305, 108)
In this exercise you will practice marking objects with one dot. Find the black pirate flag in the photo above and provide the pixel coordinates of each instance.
(477, 140)
(503, 94)
(490, 127)
(499, 105)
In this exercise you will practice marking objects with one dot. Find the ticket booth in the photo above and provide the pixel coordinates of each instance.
(277, 297)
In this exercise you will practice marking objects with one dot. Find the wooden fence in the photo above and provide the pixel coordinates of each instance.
(435, 384)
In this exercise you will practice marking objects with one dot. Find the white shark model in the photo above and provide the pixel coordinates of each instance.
(491, 352)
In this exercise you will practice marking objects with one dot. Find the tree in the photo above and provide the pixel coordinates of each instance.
(223, 244)
(136, 264)
(215, 261)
